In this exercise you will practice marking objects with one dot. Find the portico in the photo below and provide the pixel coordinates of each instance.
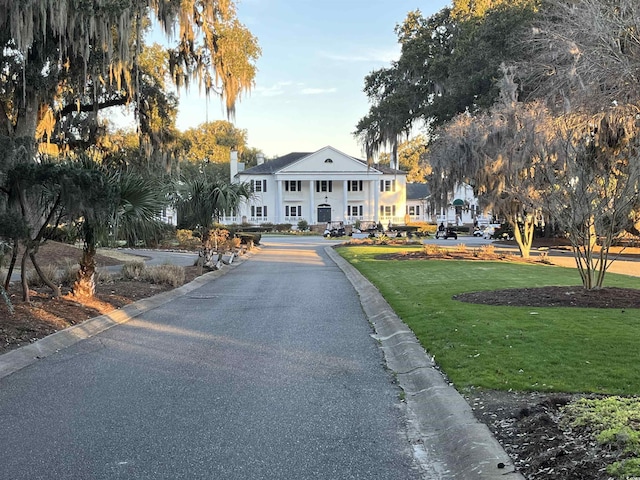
(319, 187)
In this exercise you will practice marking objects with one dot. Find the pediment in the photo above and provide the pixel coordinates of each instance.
(327, 160)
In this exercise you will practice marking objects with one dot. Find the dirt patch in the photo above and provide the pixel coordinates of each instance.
(529, 428)
(608, 297)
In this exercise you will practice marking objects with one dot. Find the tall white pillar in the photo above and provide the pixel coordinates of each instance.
(375, 184)
(312, 212)
(345, 200)
(279, 206)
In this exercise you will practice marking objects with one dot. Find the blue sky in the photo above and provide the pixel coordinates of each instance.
(315, 55)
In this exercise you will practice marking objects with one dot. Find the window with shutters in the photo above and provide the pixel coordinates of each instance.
(324, 186)
(387, 185)
(293, 185)
(354, 186)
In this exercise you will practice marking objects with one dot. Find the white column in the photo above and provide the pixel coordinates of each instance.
(312, 213)
(345, 200)
(279, 206)
(375, 184)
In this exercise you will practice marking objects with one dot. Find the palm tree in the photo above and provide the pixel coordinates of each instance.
(133, 209)
(137, 217)
(91, 198)
(204, 201)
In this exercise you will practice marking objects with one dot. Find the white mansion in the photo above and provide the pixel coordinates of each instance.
(330, 186)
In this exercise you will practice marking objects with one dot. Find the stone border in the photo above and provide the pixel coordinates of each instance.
(447, 439)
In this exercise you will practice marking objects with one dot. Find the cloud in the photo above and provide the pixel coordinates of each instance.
(370, 55)
(275, 90)
(317, 91)
(289, 88)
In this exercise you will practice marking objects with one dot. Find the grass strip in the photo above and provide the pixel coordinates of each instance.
(505, 347)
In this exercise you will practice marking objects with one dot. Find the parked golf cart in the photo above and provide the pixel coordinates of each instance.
(335, 229)
(448, 232)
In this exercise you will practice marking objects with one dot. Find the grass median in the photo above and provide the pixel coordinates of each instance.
(585, 350)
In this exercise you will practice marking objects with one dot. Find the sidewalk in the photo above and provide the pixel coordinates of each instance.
(622, 266)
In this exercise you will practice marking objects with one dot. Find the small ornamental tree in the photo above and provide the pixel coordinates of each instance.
(203, 201)
(588, 168)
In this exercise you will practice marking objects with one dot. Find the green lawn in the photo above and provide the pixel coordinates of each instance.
(519, 348)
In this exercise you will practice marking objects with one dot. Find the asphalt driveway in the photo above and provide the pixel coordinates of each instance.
(268, 372)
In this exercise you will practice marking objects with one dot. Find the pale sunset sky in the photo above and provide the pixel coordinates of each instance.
(315, 55)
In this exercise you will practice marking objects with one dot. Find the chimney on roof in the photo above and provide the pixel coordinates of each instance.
(260, 158)
(233, 164)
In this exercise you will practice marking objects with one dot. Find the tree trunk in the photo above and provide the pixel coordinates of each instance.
(23, 277)
(55, 288)
(524, 238)
(27, 119)
(85, 284)
(592, 269)
(12, 264)
(206, 251)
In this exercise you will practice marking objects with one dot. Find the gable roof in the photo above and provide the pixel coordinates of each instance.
(417, 191)
(270, 167)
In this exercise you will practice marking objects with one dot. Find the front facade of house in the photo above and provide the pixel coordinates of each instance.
(320, 187)
(461, 209)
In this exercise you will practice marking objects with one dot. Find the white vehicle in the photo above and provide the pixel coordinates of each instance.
(488, 232)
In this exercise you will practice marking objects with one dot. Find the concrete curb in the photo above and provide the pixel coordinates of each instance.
(445, 433)
(19, 358)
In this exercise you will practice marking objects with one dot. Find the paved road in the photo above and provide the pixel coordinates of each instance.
(268, 372)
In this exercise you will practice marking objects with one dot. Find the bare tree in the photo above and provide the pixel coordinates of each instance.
(491, 151)
(586, 54)
(586, 69)
(587, 169)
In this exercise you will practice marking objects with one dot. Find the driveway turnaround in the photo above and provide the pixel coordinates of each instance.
(270, 371)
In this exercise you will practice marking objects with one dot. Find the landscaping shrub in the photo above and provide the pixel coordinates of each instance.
(164, 275)
(188, 239)
(361, 241)
(69, 273)
(233, 244)
(219, 236)
(283, 227)
(461, 248)
(303, 225)
(485, 251)
(132, 270)
(103, 276)
(430, 249)
(49, 271)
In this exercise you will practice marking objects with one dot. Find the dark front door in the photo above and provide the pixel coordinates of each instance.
(324, 214)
